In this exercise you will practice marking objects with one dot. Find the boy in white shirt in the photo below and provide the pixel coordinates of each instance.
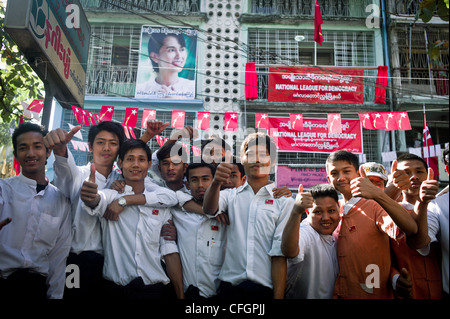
(36, 234)
(133, 246)
(254, 266)
(309, 244)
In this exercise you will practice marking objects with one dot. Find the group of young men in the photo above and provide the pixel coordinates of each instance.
(216, 228)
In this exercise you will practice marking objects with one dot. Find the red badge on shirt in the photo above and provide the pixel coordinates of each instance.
(155, 212)
(352, 228)
(215, 227)
(269, 202)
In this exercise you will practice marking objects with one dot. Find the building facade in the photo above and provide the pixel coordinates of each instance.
(231, 33)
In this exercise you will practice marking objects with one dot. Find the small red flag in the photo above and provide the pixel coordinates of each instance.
(78, 115)
(334, 123)
(402, 120)
(296, 121)
(381, 85)
(251, 81)
(131, 115)
(377, 121)
(106, 113)
(147, 115)
(318, 36)
(432, 161)
(36, 106)
(262, 120)
(91, 117)
(84, 115)
(203, 119)
(178, 119)
(230, 120)
(390, 124)
(366, 120)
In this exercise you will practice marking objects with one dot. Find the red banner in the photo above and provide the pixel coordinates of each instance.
(316, 85)
(314, 138)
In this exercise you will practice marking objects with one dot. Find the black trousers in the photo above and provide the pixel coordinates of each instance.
(91, 276)
(246, 290)
(23, 284)
(137, 289)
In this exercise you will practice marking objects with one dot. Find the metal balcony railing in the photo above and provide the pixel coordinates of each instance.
(113, 80)
(403, 7)
(329, 8)
(144, 6)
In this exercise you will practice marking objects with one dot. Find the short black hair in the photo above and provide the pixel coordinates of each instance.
(26, 127)
(342, 155)
(132, 144)
(411, 157)
(259, 138)
(156, 41)
(235, 160)
(171, 149)
(110, 126)
(201, 164)
(324, 190)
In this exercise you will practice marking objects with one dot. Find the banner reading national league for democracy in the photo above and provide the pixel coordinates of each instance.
(316, 85)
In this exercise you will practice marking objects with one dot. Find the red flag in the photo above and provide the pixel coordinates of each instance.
(36, 106)
(148, 114)
(196, 150)
(160, 139)
(251, 81)
(106, 113)
(131, 115)
(230, 120)
(402, 120)
(77, 113)
(296, 121)
(203, 119)
(178, 119)
(427, 142)
(318, 36)
(366, 120)
(262, 120)
(85, 117)
(91, 117)
(381, 84)
(390, 124)
(334, 123)
(377, 121)
(16, 164)
(125, 129)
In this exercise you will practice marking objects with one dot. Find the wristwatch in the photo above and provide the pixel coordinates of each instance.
(122, 201)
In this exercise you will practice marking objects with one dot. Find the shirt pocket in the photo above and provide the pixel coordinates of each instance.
(216, 252)
(152, 230)
(48, 229)
(266, 220)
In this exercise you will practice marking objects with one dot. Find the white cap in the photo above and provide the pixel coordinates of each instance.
(375, 169)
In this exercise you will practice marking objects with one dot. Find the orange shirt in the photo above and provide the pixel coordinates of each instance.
(363, 252)
(424, 270)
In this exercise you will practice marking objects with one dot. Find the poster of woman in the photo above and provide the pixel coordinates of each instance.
(167, 62)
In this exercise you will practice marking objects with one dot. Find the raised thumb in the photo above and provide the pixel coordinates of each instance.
(72, 132)
(430, 175)
(300, 188)
(405, 274)
(92, 174)
(362, 172)
(394, 166)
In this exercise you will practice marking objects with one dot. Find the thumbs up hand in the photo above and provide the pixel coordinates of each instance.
(399, 178)
(363, 187)
(223, 171)
(404, 284)
(429, 188)
(89, 193)
(303, 200)
(57, 140)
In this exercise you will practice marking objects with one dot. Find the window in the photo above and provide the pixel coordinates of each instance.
(120, 51)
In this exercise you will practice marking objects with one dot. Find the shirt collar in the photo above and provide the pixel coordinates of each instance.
(269, 188)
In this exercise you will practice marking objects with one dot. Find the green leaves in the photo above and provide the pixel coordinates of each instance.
(428, 8)
(18, 82)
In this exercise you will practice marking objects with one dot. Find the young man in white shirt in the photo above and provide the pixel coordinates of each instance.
(254, 266)
(36, 234)
(309, 244)
(133, 246)
(104, 141)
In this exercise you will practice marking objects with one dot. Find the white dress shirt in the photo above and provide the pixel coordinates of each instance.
(312, 274)
(39, 234)
(201, 242)
(133, 245)
(254, 235)
(438, 230)
(86, 228)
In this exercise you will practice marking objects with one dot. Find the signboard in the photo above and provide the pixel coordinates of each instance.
(316, 85)
(167, 63)
(314, 138)
(54, 35)
(292, 177)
